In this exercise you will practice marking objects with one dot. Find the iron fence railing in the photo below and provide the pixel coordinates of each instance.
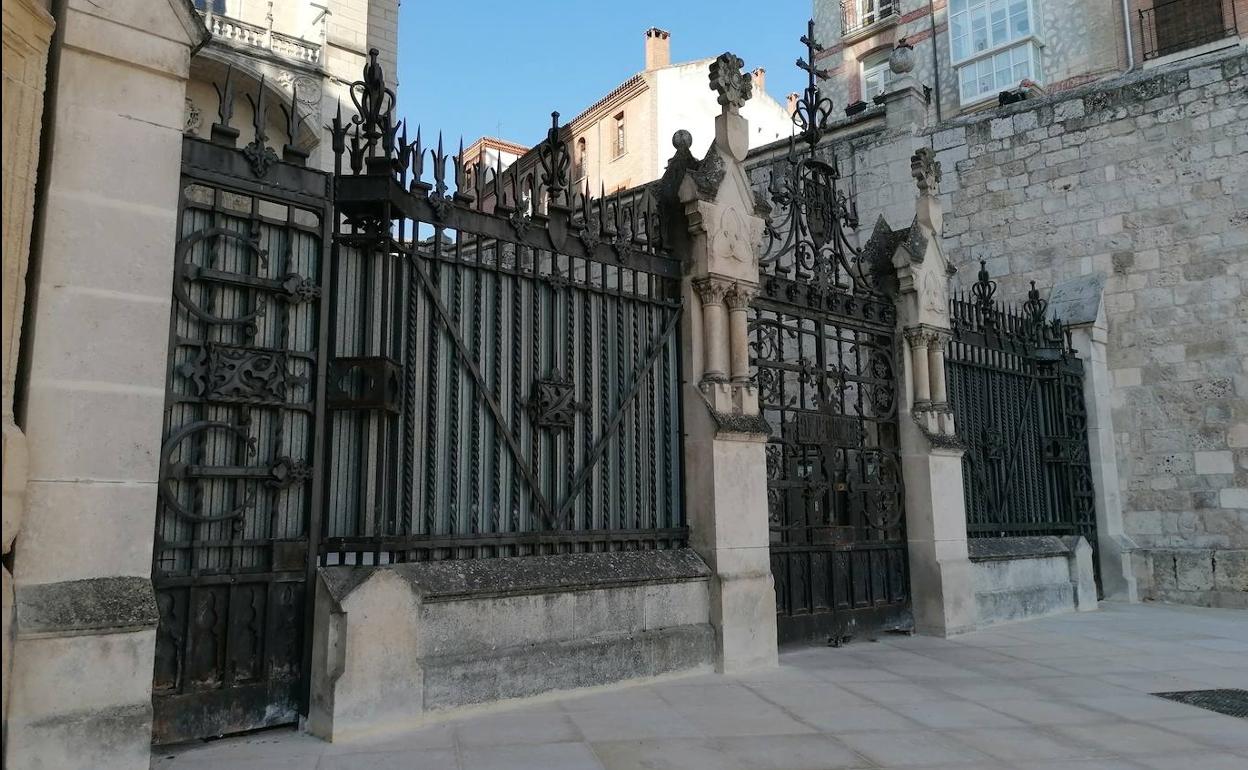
(504, 379)
(1016, 388)
(1177, 25)
(860, 14)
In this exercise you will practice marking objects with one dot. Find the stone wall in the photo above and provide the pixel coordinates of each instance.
(1140, 179)
(96, 339)
(1019, 578)
(27, 33)
(393, 643)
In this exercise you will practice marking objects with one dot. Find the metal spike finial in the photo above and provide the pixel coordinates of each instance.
(260, 156)
(1035, 307)
(555, 159)
(418, 160)
(294, 120)
(813, 110)
(222, 131)
(374, 102)
(984, 287)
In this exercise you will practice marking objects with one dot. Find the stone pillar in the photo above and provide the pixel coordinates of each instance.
(1078, 302)
(85, 612)
(738, 300)
(725, 437)
(931, 455)
(27, 34)
(711, 292)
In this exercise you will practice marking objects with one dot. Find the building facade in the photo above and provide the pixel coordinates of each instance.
(101, 103)
(968, 52)
(624, 139)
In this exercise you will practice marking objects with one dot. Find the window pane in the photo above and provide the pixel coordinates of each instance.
(979, 33)
(960, 47)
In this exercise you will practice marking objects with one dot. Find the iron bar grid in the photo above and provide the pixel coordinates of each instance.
(1016, 389)
(526, 336)
(1172, 26)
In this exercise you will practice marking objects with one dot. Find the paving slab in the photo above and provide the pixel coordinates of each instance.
(1070, 692)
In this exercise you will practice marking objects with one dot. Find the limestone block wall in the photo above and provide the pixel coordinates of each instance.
(393, 643)
(1141, 179)
(1018, 578)
(27, 33)
(85, 615)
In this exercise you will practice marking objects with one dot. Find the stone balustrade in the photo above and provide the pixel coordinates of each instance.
(241, 33)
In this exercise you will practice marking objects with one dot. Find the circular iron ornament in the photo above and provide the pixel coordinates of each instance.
(882, 393)
(884, 507)
(190, 272)
(171, 471)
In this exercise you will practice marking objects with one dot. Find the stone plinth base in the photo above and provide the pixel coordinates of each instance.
(726, 486)
(1017, 578)
(393, 643)
(940, 574)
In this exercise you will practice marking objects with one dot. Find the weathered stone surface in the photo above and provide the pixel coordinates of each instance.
(481, 578)
(990, 548)
(392, 643)
(86, 606)
(1138, 179)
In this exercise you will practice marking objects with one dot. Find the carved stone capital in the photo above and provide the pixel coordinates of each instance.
(938, 338)
(921, 336)
(740, 296)
(712, 290)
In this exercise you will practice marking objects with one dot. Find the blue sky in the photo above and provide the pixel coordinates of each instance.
(498, 67)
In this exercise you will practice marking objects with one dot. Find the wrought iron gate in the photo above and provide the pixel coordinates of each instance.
(505, 376)
(239, 462)
(1016, 388)
(824, 344)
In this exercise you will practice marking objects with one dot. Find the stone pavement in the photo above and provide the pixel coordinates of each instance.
(1062, 692)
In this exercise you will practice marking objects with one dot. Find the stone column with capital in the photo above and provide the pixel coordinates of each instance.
(943, 597)
(720, 229)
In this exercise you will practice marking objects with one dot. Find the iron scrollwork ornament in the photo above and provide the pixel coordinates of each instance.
(281, 473)
(230, 374)
(553, 405)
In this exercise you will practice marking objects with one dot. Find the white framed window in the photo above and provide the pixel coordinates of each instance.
(993, 45)
(990, 75)
(871, 11)
(620, 146)
(875, 75)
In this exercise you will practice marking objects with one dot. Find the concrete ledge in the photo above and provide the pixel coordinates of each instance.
(995, 548)
(483, 578)
(393, 643)
(1017, 578)
(98, 605)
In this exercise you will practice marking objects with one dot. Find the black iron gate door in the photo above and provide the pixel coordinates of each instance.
(827, 387)
(239, 460)
(823, 343)
(1016, 388)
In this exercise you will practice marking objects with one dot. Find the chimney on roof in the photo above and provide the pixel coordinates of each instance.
(792, 105)
(760, 80)
(658, 48)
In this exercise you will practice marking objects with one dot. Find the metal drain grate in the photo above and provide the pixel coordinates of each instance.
(1233, 703)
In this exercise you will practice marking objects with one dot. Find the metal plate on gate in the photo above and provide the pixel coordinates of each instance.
(827, 430)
